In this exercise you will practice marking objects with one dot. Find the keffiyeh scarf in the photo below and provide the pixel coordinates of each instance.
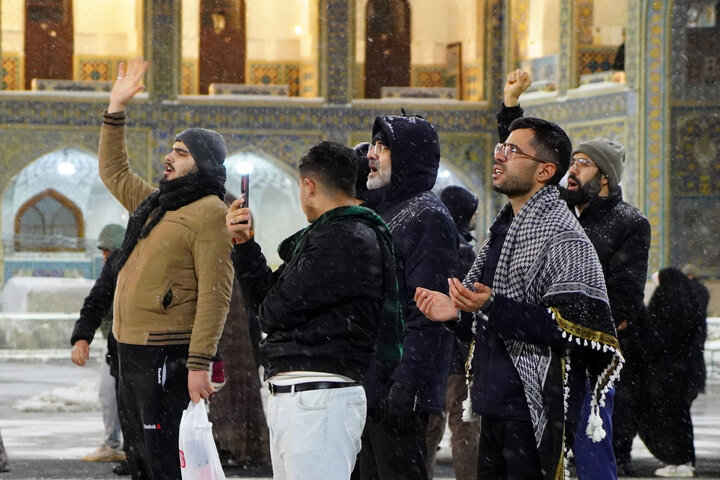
(546, 259)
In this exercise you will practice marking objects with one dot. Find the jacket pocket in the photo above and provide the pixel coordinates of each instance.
(167, 299)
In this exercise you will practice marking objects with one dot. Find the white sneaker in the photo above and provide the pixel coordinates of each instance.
(105, 453)
(686, 470)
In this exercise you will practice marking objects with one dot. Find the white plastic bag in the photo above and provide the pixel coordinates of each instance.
(199, 459)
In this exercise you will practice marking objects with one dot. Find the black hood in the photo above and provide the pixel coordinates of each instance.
(415, 150)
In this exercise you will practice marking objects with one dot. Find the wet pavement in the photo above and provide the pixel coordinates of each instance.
(49, 445)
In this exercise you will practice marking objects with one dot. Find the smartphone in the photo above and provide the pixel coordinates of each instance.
(245, 190)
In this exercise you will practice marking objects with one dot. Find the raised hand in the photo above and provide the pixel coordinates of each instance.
(436, 306)
(129, 82)
(517, 82)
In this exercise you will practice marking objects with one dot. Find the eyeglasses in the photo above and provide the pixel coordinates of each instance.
(511, 151)
(581, 162)
(378, 148)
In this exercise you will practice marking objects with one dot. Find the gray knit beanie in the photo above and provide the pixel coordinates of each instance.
(207, 148)
(609, 156)
(111, 237)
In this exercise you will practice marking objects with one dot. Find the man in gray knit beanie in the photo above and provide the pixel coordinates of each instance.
(621, 237)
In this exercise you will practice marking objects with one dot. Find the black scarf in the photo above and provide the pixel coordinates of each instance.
(171, 195)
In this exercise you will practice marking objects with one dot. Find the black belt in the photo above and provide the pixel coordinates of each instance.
(302, 387)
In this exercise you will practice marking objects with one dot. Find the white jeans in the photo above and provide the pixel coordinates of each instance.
(315, 435)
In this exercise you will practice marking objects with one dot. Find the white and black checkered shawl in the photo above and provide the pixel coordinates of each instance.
(548, 260)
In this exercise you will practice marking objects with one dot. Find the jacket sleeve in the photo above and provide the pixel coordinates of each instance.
(211, 257)
(529, 323)
(96, 305)
(127, 187)
(505, 117)
(627, 272)
(252, 273)
(429, 261)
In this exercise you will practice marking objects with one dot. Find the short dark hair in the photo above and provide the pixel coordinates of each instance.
(331, 164)
(551, 143)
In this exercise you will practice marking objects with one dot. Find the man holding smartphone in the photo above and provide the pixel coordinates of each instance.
(322, 310)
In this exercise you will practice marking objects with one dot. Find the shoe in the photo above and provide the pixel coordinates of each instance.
(121, 468)
(105, 453)
(217, 378)
(686, 470)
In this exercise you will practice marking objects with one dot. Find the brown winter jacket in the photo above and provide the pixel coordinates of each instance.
(175, 287)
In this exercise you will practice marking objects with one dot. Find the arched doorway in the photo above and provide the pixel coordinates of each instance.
(387, 50)
(49, 222)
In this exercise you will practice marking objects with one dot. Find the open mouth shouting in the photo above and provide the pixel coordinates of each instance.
(169, 169)
(572, 183)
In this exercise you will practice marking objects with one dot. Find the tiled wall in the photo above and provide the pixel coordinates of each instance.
(302, 78)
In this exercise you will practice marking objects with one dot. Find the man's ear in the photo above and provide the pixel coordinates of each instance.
(545, 172)
(310, 185)
(603, 181)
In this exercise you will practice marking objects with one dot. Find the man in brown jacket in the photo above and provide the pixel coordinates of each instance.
(174, 279)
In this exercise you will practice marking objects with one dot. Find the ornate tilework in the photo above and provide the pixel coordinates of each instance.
(11, 72)
(95, 70)
(189, 78)
(428, 76)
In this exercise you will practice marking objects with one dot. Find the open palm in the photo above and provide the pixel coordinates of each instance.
(129, 83)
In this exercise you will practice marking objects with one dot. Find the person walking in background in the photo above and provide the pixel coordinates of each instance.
(323, 311)
(174, 279)
(675, 339)
(536, 306)
(404, 158)
(463, 206)
(95, 313)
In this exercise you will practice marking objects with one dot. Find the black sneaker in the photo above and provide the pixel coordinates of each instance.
(121, 468)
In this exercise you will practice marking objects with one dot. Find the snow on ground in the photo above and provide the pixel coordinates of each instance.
(82, 397)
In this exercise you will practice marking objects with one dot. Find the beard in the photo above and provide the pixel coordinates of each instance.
(584, 193)
(514, 186)
(382, 179)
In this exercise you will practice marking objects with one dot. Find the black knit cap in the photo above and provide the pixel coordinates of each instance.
(207, 148)
(462, 204)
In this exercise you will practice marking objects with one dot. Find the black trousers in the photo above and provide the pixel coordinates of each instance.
(152, 394)
(387, 454)
(507, 450)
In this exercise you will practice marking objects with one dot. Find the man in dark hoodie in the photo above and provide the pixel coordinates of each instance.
(404, 158)
(322, 310)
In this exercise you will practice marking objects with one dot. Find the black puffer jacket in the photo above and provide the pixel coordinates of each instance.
(620, 234)
(321, 309)
(426, 243)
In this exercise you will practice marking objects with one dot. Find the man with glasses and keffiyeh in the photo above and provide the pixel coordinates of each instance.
(536, 306)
